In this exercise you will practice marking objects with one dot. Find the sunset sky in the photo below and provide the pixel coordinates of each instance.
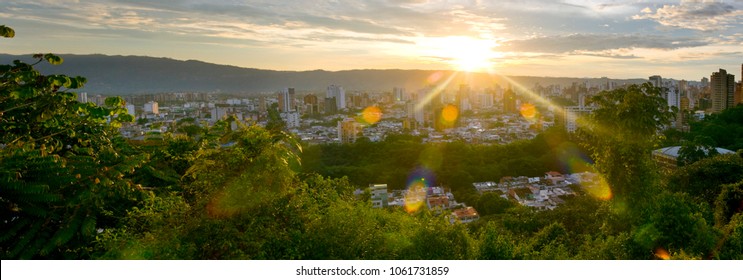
(617, 39)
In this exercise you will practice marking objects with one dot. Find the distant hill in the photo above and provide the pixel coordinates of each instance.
(140, 74)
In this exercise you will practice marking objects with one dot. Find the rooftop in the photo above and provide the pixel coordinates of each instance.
(673, 151)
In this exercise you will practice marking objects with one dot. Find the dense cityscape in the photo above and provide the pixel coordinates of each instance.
(498, 115)
(386, 138)
(493, 115)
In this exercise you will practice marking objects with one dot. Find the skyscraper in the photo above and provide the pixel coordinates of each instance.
(399, 94)
(311, 104)
(722, 87)
(673, 98)
(286, 100)
(509, 101)
(739, 91)
(262, 104)
(656, 80)
(463, 98)
(340, 95)
(414, 108)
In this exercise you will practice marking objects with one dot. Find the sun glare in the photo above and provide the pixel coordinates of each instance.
(462, 53)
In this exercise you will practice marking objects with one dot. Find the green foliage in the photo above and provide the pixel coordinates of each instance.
(6, 32)
(692, 151)
(612, 247)
(732, 246)
(728, 203)
(436, 239)
(491, 203)
(70, 187)
(703, 180)
(62, 167)
(620, 134)
(724, 128)
(676, 225)
(496, 244)
(455, 165)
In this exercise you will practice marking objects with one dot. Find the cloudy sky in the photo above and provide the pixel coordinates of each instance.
(618, 39)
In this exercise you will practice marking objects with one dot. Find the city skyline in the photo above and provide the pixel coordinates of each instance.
(680, 40)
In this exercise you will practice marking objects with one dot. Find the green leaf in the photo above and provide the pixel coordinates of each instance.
(59, 80)
(77, 82)
(115, 101)
(53, 59)
(7, 32)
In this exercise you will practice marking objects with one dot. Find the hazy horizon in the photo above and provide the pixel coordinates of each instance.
(640, 76)
(683, 40)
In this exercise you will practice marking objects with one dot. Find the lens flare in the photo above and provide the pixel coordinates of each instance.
(435, 77)
(449, 115)
(419, 182)
(598, 188)
(571, 159)
(415, 196)
(528, 111)
(662, 254)
(371, 115)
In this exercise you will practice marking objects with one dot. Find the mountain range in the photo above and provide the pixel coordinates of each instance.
(125, 75)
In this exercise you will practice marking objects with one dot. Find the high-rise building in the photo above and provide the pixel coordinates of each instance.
(673, 98)
(683, 88)
(286, 100)
(681, 116)
(656, 80)
(262, 104)
(291, 119)
(722, 86)
(348, 130)
(131, 110)
(463, 98)
(399, 94)
(485, 100)
(82, 97)
(571, 115)
(311, 105)
(739, 89)
(412, 112)
(330, 105)
(152, 107)
(509, 101)
(340, 96)
(221, 111)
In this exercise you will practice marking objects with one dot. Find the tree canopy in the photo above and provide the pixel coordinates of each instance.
(72, 188)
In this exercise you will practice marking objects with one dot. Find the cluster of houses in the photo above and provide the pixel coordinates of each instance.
(435, 199)
(541, 193)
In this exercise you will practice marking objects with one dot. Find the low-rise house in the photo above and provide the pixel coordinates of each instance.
(464, 215)
(379, 196)
(554, 176)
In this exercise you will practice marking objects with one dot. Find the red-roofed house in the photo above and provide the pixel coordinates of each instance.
(464, 215)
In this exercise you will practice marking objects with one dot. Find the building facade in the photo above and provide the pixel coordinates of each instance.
(722, 86)
(348, 130)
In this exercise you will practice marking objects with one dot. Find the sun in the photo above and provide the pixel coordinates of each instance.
(462, 53)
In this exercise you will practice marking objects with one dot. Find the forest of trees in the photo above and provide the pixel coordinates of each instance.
(71, 187)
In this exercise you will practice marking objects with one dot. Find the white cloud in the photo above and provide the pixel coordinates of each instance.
(696, 15)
